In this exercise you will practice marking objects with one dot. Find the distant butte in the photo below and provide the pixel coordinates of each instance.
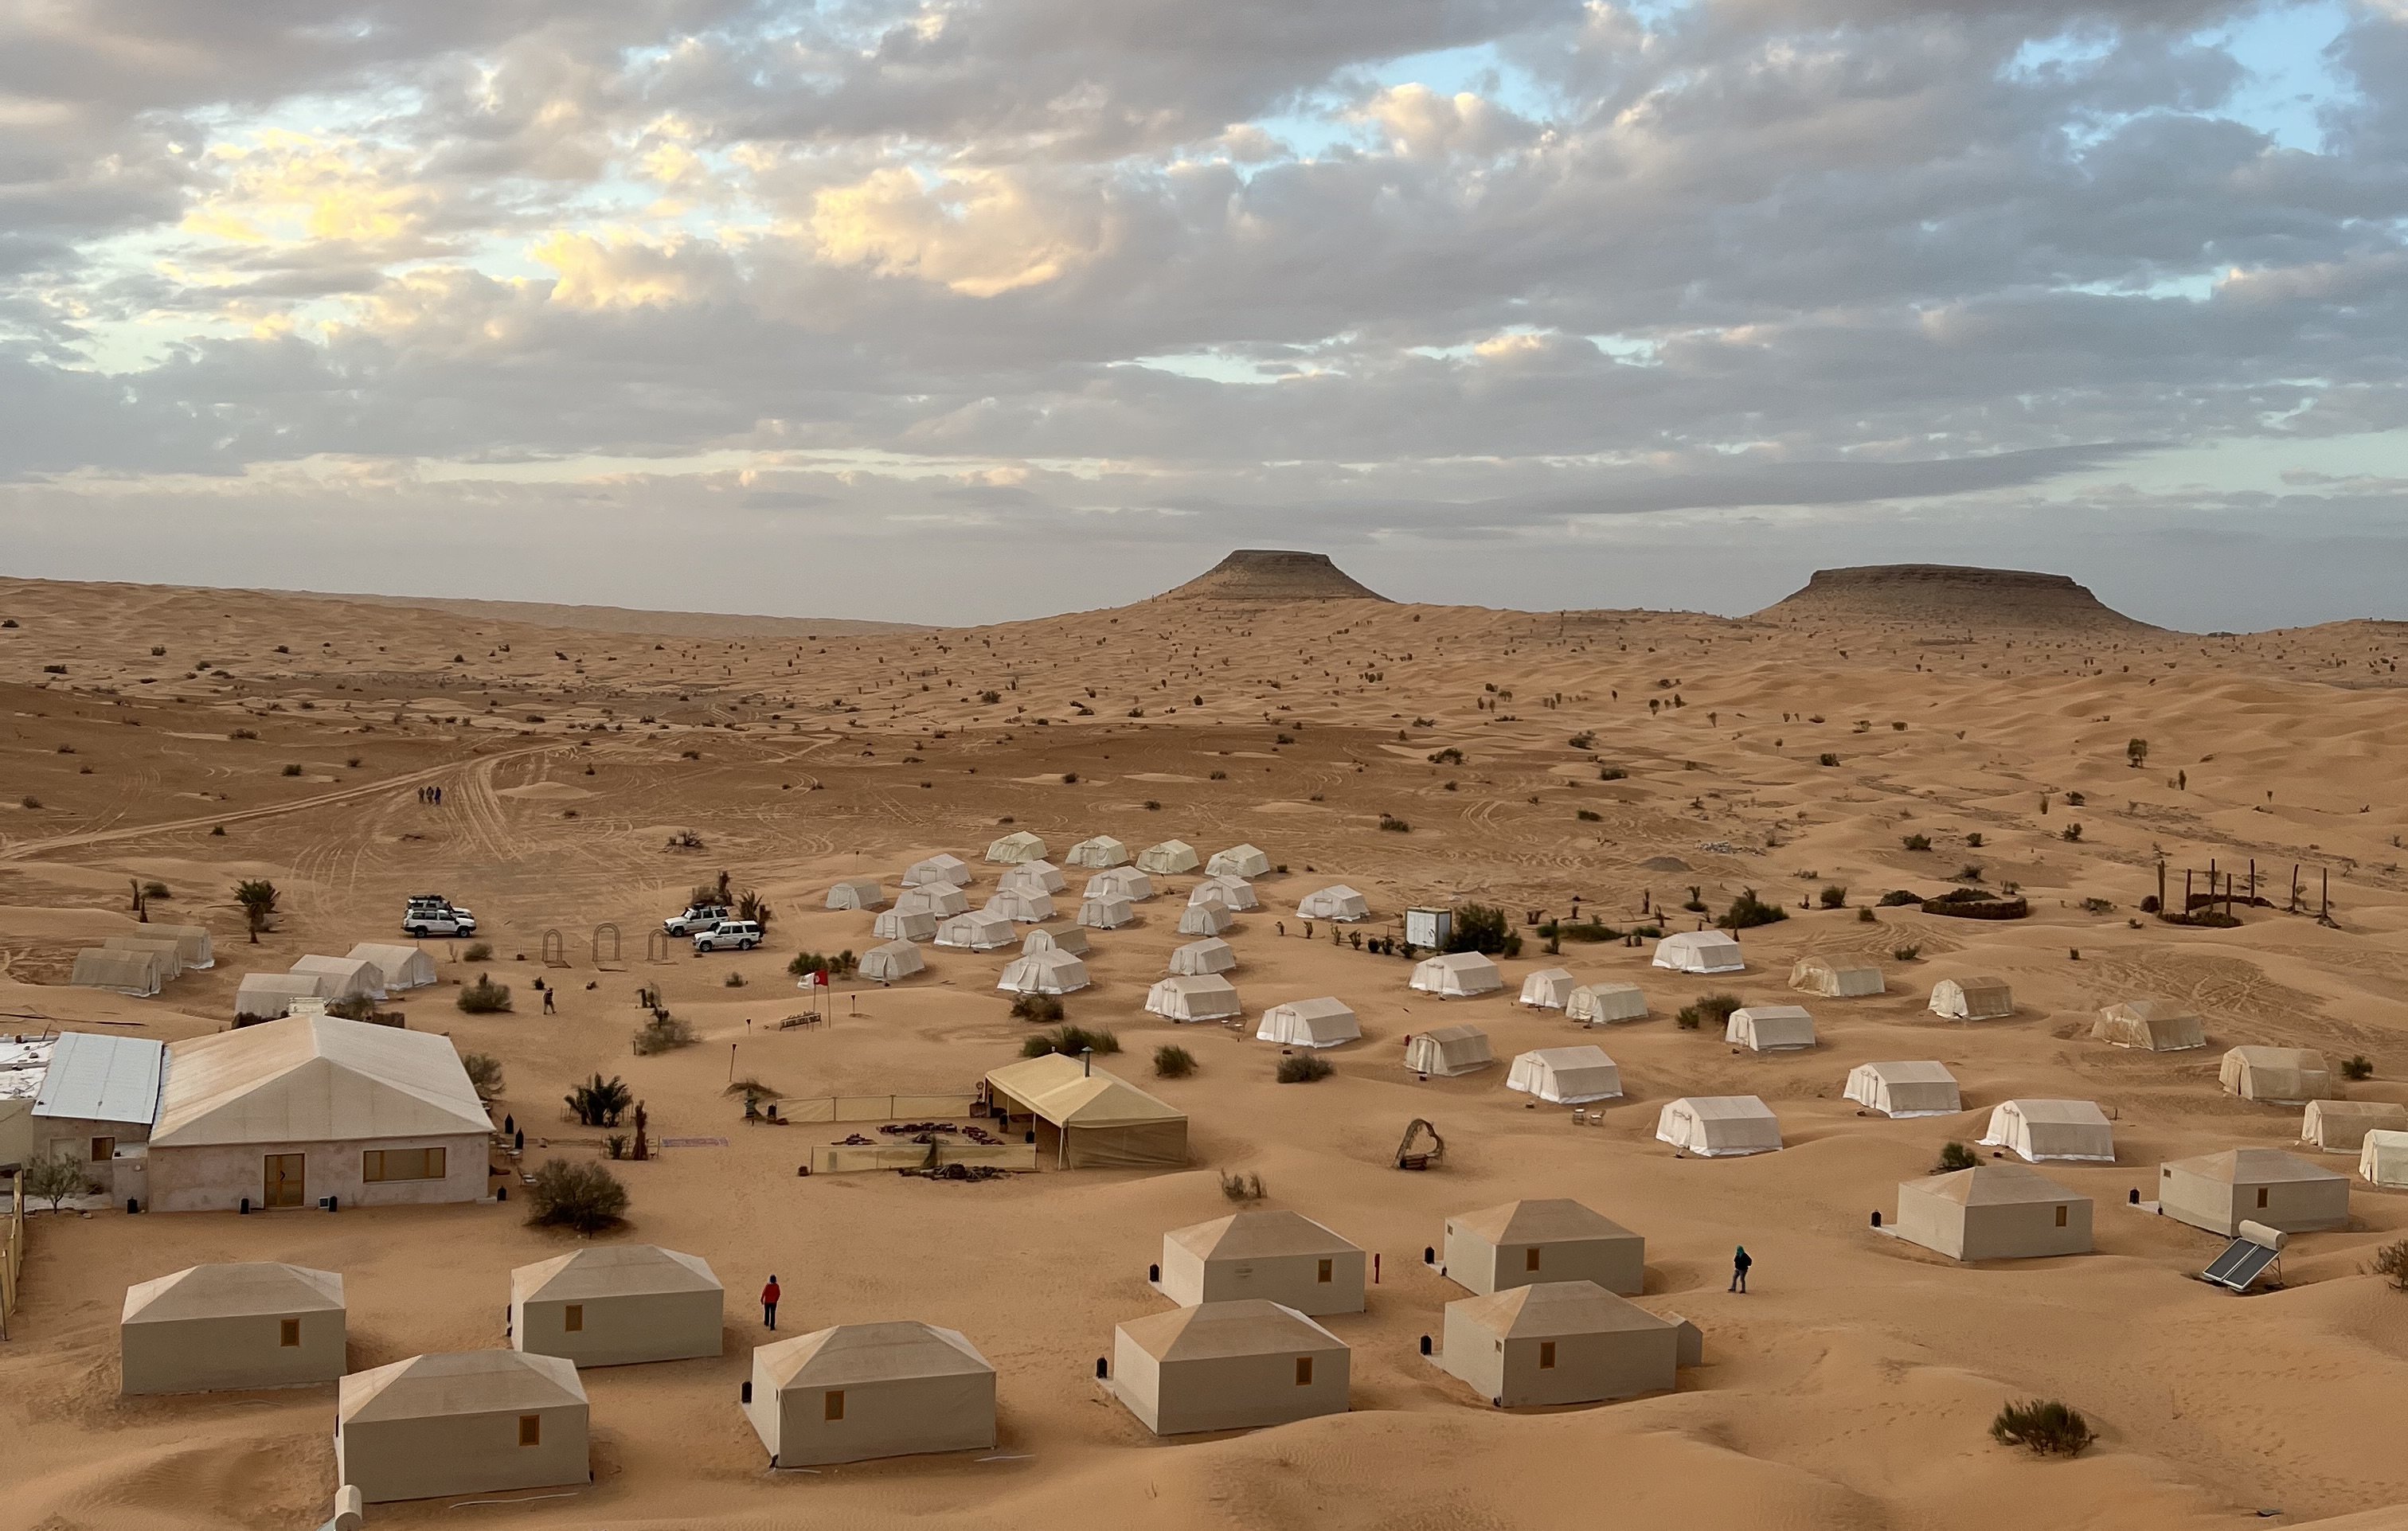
(1270, 574)
(1950, 594)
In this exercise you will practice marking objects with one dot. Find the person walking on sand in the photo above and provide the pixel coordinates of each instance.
(770, 1302)
(547, 1006)
(1740, 1262)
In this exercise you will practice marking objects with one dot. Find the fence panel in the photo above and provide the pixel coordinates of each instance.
(852, 1158)
(822, 1109)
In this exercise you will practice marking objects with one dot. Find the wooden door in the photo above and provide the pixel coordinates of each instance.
(285, 1180)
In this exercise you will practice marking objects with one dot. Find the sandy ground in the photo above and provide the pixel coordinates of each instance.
(1853, 1387)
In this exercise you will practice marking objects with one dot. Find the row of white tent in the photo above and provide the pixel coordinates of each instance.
(372, 970)
(140, 962)
(1102, 852)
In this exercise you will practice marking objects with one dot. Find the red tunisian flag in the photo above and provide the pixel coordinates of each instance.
(816, 980)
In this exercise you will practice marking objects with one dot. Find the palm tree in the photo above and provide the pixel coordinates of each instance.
(258, 900)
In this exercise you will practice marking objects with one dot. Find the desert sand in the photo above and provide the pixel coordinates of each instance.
(1852, 1387)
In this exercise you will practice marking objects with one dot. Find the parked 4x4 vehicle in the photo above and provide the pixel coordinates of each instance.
(696, 919)
(430, 915)
(729, 936)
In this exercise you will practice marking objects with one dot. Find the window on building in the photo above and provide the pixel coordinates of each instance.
(380, 1165)
(1304, 1371)
(530, 1429)
(2060, 1216)
(289, 1334)
(2261, 1196)
(1546, 1355)
(1530, 1258)
(103, 1150)
(835, 1404)
(572, 1318)
(1325, 1271)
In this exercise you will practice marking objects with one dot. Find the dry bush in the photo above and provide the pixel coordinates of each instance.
(1304, 1068)
(2045, 1427)
(583, 1199)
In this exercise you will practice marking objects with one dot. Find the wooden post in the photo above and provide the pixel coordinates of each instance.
(2252, 880)
(2186, 890)
(2295, 887)
(2161, 883)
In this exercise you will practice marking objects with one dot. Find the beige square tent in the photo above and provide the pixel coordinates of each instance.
(471, 1421)
(2339, 1126)
(1017, 846)
(1062, 936)
(218, 1328)
(1098, 853)
(1905, 1089)
(2277, 1076)
(1040, 876)
(1718, 1126)
(1209, 955)
(1022, 906)
(1457, 975)
(1086, 1119)
(937, 870)
(1227, 1366)
(287, 1112)
(1699, 951)
(1999, 1212)
(266, 996)
(616, 1304)
(403, 966)
(1326, 1021)
(1555, 1240)
(858, 1392)
(346, 977)
(1566, 1076)
(194, 948)
(1239, 860)
(1337, 902)
(892, 960)
(1208, 918)
(901, 925)
(1106, 913)
(1603, 1003)
(1837, 979)
(1281, 1257)
(1563, 1342)
(2218, 1191)
(1445, 1052)
(1048, 972)
(2035, 1130)
(2383, 1158)
(1203, 997)
(2155, 1025)
(1770, 1028)
(167, 949)
(1121, 882)
(136, 973)
(856, 892)
(1236, 892)
(1548, 989)
(1167, 859)
(1972, 999)
(942, 899)
(979, 931)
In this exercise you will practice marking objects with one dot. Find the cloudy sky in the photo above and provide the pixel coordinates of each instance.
(962, 311)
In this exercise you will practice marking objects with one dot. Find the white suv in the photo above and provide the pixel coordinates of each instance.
(729, 936)
(438, 920)
(697, 917)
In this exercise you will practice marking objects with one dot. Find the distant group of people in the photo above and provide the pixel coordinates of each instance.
(431, 795)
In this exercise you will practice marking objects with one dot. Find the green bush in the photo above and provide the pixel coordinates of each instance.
(1485, 928)
(1304, 1068)
(1070, 1041)
(1173, 1061)
(2045, 1427)
(663, 1033)
(1827, 758)
(485, 996)
(1833, 896)
(583, 1199)
(1394, 825)
(840, 965)
(1714, 1008)
(1899, 898)
(292, 770)
(1586, 930)
(1865, 915)
(1954, 1157)
(55, 1179)
(1918, 842)
(1747, 912)
(484, 1074)
(2358, 1065)
(1042, 1008)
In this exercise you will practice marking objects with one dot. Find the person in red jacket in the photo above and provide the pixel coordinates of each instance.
(770, 1302)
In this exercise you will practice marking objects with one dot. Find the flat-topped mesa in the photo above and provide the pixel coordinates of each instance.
(1948, 593)
(1271, 574)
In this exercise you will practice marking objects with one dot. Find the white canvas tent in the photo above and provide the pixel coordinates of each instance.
(1836, 980)
(1051, 972)
(1015, 847)
(347, 978)
(225, 1327)
(1719, 1126)
(942, 899)
(1905, 1089)
(166, 950)
(2035, 1130)
(856, 892)
(2277, 1076)
(135, 973)
(1997, 1211)
(1085, 1118)
(2339, 1126)
(1106, 913)
(1208, 918)
(981, 931)
(1548, 989)
(1445, 1052)
(1121, 882)
(1040, 876)
(1100, 852)
(901, 924)
(2218, 1191)
(1239, 860)
(858, 1392)
(1770, 1028)
(1169, 858)
(2383, 1159)
(1236, 892)
(893, 960)
(403, 966)
(1563, 1342)
(1209, 955)
(1227, 1366)
(1337, 902)
(473, 1422)
(1310, 1023)
(1024, 906)
(1457, 975)
(617, 1305)
(1283, 1257)
(1602, 1004)
(1201, 998)
(944, 868)
(1567, 1076)
(1068, 937)
(194, 948)
(266, 996)
(2154, 1025)
(1972, 999)
(1520, 1243)
(1698, 951)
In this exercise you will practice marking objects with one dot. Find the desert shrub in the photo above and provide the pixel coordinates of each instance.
(583, 1199)
(2043, 1426)
(1918, 842)
(478, 952)
(1827, 758)
(1218, 776)
(2075, 799)
(361, 1008)
(600, 1101)
(1173, 1061)
(1696, 902)
(29, 801)
(1583, 740)
(55, 1179)
(156, 890)
(1899, 899)
(751, 905)
(838, 965)
(1448, 756)
(1585, 930)
(1482, 927)
(1589, 817)
(663, 1033)
(1905, 953)
(1954, 1157)
(244, 733)
(2358, 1065)
(1153, 805)
(1394, 825)
(733, 980)
(2390, 1262)
(1611, 773)
(292, 770)
(1969, 873)
(1043, 1008)
(1747, 912)
(484, 1073)
(2136, 753)
(2149, 904)
(1865, 915)
(1714, 1009)
(1304, 1068)
(1070, 1041)
(1243, 1187)
(2071, 832)
(1833, 896)
(485, 996)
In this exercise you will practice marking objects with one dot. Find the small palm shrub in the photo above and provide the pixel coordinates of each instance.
(1173, 1061)
(2044, 1426)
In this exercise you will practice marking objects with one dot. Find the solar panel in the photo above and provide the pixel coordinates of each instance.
(2240, 1264)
